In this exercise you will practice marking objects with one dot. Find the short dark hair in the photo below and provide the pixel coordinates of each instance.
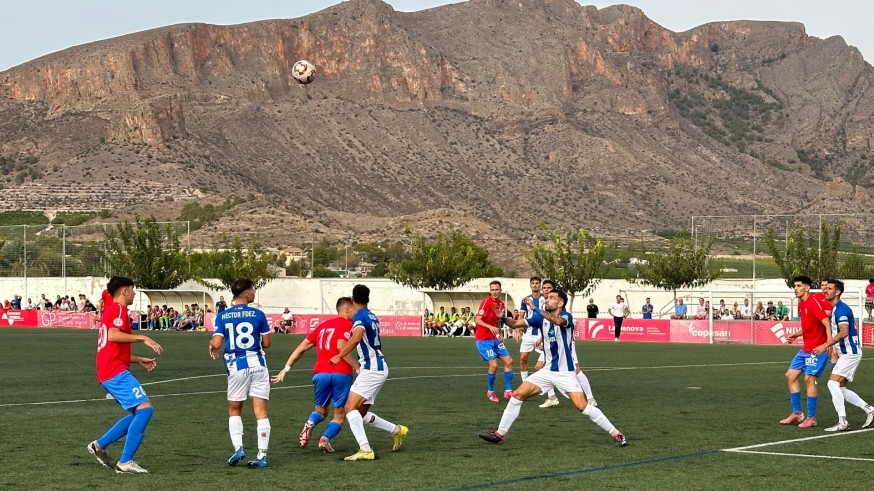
(344, 301)
(361, 295)
(548, 281)
(563, 296)
(839, 285)
(240, 285)
(534, 278)
(495, 282)
(117, 282)
(803, 279)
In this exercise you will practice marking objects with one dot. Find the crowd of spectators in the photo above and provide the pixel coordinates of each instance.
(452, 323)
(704, 311)
(167, 318)
(67, 303)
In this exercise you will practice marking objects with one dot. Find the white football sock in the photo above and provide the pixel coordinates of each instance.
(837, 399)
(377, 422)
(524, 374)
(853, 398)
(356, 424)
(597, 417)
(235, 425)
(511, 412)
(263, 437)
(584, 383)
(551, 394)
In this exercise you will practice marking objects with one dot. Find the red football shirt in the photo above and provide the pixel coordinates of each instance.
(326, 337)
(869, 291)
(812, 330)
(112, 358)
(823, 302)
(492, 311)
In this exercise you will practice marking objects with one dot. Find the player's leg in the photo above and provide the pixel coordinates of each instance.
(504, 355)
(796, 367)
(596, 415)
(130, 394)
(238, 389)
(259, 391)
(117, 387)
(135, 433)
(530, 387)
(341, 384)
(835, 383)
(487, 352)
(846, 369)
(356, 408)
(322, 388)
(399, 432)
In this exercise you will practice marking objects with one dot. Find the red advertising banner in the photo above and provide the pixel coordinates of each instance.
(688, 331)
(18, 318)
(641, 330)
(74, 320)
(389, 325)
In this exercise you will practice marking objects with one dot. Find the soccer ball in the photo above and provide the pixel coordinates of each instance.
(303, 71)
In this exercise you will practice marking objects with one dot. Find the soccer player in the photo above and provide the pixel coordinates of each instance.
(491, 310)
(530, 337)
(845, 338)
(242, 333)
(816, 330)
(373, 373)
(331, 383)
(557, 332)
(114, 339)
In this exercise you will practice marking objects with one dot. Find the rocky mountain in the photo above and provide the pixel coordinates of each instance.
(489, 114)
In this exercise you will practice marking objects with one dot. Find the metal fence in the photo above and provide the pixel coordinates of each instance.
(740, 251)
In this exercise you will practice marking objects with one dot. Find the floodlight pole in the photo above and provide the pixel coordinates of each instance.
(754, 251)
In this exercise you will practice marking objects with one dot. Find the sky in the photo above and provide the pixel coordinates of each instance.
(30, 29)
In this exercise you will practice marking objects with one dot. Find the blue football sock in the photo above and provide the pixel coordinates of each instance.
(135, 433)
(116, 433)
(332, 430)
(811, 407)
(316, 418)
(795, 399)
(508, 380)
(491, 378)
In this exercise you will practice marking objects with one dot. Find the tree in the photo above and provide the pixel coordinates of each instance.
(573, 259)
(816, 256)
(229, 261)
(146, 252)
(443, 263)
(854, 265)
(682, 265)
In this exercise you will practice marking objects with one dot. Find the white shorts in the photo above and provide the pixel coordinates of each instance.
(548, 380)
(368, 383)
(846, 366)
(254, 382)
(528, 343)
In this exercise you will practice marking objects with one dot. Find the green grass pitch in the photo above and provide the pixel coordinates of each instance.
(680, 406)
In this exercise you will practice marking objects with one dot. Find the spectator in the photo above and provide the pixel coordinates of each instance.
(680, 310)
(722, 308)
(782, 311)
(46, 303)
(869, 298)
(703, 310)
(456, 323)
(7, 305)
(285, 323)
(592, 309)
(771, 311)
(220, 305)
(647, 309)
(726, 316)
(735, 312)
(16, 302)
(745, 311)
(709, 313)
(89, 307)
(58, 302)
(30, 304)
(81, 303)
(619, 311)
(759, 313)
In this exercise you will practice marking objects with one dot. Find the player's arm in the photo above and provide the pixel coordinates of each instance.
(843, 332)
(351, 360)
(514, 323)
(302, 348)
(556, 319)
(350, 345)
(215, 344)
(116, 336)
(266, 338)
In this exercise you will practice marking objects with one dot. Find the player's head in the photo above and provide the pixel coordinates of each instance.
(535, 284)
(547, 286)
(555, 301)
(361, 295)
(618, 298)
(802, 285)
(243, 289)
(833, 289)
(871, 281)
(823, 283)
(345, 308)
(495, 289)
(121, 288)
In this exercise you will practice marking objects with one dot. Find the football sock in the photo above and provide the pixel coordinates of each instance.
(551, 394)
(491, 382)
(508, 380)
(235, 426)
(135, 433)
(511, 412)
(377, 422)
(524, 374)
(315, 419)
(597, 417)
(117, 432)
(356, 424)
(849, 395)
(811, 407)
(837, 399)
(795, 400)
(584, 383)
(332, 430)
(263, 437)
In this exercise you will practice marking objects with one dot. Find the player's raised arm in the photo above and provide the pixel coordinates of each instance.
(302, 348)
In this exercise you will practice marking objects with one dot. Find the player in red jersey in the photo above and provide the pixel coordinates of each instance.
(816, 330)
(488, 319)
(113, 363)
(330, 382)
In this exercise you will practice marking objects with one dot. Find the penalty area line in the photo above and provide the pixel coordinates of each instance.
(783, 454)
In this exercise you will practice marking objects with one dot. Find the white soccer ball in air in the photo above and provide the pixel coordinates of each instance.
(303, 71)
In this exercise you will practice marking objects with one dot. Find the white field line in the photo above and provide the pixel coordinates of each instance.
(800, 455)
(794, 440)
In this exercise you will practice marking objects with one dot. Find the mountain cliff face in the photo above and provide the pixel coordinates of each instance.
(507, 112)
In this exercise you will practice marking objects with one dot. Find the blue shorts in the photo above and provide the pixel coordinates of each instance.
(125, 389)
(492, 349)
(333, 387)
(812, 365)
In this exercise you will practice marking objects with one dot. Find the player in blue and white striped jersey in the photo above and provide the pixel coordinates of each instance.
(845, 340)
(529, 338)
(559, 370)
(241, 335)
(374, 372)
